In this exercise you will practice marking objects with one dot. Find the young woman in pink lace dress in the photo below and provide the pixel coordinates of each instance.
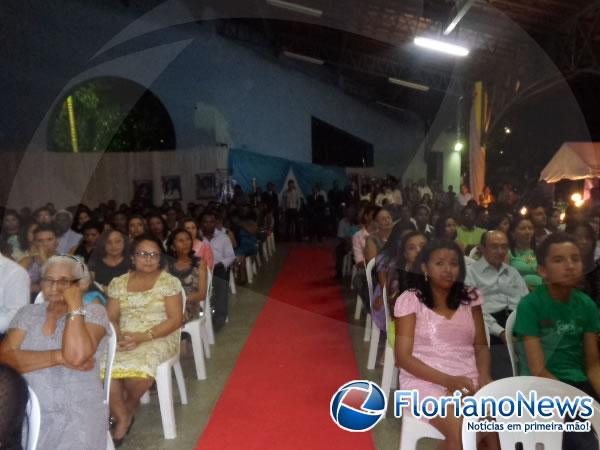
(441, 345)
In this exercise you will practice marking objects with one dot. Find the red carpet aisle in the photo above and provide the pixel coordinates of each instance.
(297, 355)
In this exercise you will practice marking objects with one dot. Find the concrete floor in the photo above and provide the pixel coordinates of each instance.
(244, 308)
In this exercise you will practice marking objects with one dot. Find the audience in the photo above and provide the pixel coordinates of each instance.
(14, 291)
(467, 234)
(557, 327)
(189, 269)
(224, 256)
(502, 288)
(201, 249)
(45, 244)
(145, 307)
(110, 258)
(13, 398)
(91, 232)
(58, 346)
(440, 344)
(67, 238)
(522, 254)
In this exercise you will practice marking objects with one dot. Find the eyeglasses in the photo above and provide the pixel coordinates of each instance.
(61, 284)
(148, 255)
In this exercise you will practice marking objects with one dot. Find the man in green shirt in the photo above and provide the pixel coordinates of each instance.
(467, 234)
(557, 325)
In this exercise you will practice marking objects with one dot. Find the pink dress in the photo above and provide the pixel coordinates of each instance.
(203, 251)
(444, 344)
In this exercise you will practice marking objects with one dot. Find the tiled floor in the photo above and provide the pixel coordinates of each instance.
(202, 395)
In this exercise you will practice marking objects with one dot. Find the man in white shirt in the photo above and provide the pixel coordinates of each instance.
(67, 238)
(223, 258)
(465, 196)
(502, 288)
(14, 291)
(291, 206)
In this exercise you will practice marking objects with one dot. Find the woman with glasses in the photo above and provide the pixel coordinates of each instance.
(145, 307)
(58, 346)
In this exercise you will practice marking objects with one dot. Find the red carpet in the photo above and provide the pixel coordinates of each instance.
(298, 354)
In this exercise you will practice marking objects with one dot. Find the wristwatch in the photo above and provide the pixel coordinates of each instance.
(77, 312)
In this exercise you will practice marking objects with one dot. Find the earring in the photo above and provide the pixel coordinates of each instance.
(426, 277)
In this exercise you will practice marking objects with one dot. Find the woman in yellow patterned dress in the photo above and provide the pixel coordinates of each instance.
(145, 307)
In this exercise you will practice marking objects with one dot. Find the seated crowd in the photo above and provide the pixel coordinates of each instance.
(450, 285)
(66, 275)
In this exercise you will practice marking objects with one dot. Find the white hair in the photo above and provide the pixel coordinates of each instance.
(79, 269)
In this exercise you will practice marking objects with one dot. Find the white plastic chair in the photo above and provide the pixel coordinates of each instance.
(164, 387)
(413, 430)
(389, 377)
(110, 358)
(372, 328)
(194, 329)
(232, 283)
(532, 439)
(249, 271)
(510, 343)
(34, 419)
(208, 334)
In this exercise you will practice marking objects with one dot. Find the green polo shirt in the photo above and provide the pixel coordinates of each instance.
(561, 327)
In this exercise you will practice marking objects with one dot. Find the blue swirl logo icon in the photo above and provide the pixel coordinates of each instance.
(358, 406)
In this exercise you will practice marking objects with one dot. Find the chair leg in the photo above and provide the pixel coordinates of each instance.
(265, 253)
(368, 327)
(198, 349)
(180, 382)
(164, 386)
(358, 308)
(373, 347)
(248, 264)
(232, 283)
(388, 371)
(109, 442)
(258, 259)
(254, 266)
(273, 243)
(205, 340)
(354, 272)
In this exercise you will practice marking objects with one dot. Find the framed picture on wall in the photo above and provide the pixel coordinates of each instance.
(143, 192)
(206, 186)
(171, 188)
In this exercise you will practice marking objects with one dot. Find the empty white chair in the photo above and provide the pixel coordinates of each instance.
(164, 387)
(510, 343)
(532, 439)
(34, 419)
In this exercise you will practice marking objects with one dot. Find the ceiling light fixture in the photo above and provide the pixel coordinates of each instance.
(296, 8)
(304, 58)
(440, 46)
(458, 146)
(409, 84)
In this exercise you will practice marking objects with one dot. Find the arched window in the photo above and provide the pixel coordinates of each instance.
(110, 115)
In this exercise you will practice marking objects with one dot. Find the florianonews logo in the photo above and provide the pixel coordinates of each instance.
(358, 406)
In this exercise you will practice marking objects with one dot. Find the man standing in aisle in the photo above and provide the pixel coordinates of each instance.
(271, 198)
(223, 258)
(291, 205)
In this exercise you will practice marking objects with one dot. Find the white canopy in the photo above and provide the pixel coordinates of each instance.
(573, 161)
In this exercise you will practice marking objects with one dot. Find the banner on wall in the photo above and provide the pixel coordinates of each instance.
(245, 166)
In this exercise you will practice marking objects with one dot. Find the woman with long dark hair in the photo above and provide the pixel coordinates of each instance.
(441, 345)
(522, 250)
(110, 258)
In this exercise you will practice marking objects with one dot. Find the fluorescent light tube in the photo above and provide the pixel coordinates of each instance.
(408, 84)
(296, 8)
(308, 59)
(440, 46)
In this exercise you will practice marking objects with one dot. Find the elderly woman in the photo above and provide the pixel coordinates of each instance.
(146, 308)
(56, 346)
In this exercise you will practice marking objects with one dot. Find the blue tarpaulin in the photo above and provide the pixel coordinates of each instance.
(245, 165)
